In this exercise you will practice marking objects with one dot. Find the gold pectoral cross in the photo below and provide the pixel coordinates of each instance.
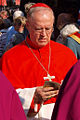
(49, 77)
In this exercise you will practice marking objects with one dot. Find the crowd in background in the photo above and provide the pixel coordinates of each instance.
(11, 29)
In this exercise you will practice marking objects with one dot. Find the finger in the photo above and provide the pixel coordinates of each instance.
(46, 89)
(51, 94)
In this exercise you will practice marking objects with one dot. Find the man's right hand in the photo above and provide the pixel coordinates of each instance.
(44, 93)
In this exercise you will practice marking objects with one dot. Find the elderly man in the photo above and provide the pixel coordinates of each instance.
(35, 60)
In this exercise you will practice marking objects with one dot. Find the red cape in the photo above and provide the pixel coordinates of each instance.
(24, 71)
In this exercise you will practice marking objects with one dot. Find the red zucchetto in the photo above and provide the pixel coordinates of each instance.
(40, 5)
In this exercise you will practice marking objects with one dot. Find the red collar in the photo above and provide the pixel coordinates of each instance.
(33, 46)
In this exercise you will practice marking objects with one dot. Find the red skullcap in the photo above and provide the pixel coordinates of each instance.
(39, 5)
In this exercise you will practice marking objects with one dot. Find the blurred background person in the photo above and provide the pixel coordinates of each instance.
(11, 30)
(19, 24)
(4, 15)
(3, 36)
(69, 32)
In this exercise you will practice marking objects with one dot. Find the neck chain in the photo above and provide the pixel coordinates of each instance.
(47, 71)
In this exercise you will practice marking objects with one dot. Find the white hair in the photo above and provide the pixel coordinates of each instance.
(17, 13)
(32, 10)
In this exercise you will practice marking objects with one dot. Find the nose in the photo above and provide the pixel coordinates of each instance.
(43, 32)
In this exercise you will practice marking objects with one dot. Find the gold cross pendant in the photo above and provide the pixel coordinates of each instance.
(49, 77)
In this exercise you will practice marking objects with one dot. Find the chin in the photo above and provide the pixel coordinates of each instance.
(42, 44)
